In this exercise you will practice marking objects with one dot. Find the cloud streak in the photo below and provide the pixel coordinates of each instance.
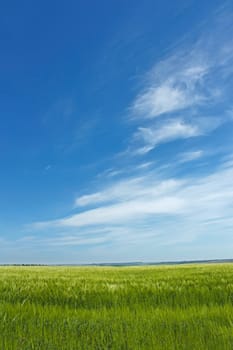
(190, 156)
(194, 201)
(166, 132)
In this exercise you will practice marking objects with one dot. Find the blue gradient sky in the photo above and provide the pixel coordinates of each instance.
(116, 131)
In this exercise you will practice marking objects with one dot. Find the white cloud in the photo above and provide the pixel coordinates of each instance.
(185, 79)
(166, 132)
(129, 189)
(90, 198)
(186, 204)
(190, 155)
(124, 212)
(144, 165)
(176, 92)
(183, 86)
(122, 189)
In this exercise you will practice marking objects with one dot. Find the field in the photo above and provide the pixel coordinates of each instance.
(176, 307)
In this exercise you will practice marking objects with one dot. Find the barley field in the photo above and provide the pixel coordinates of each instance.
(165, 307)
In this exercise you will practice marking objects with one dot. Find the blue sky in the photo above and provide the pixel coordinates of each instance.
(116, 131)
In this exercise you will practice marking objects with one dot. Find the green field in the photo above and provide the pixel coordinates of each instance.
(177, 307)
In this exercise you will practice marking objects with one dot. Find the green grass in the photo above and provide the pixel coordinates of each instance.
(178, 307)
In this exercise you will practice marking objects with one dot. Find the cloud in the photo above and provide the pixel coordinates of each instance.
(172, 92)
(121, 201)
(128, 189)
(147, 138)
(146, 197)
(184, 89)
(152, 209)
(144, 165)
(166, 132)
(192, 75)
(122, 189)
(124, 212)
(190, 156)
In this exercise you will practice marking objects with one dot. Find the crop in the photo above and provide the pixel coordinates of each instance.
(167, 307)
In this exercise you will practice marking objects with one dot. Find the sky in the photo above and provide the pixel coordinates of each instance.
(116, 131)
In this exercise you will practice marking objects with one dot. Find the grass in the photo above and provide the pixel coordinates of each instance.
(178, 307)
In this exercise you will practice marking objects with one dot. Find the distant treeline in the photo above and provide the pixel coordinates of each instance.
(135, 263)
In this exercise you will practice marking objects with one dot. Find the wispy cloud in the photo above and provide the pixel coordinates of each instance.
(165, 132)
(186, 204)
(185, 78)
(182, 89)
(190, 156)
(147, 138)
(176, 89)
(128, 189)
